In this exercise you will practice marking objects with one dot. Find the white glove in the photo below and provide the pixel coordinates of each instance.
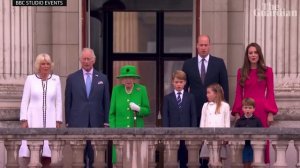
(134, 107)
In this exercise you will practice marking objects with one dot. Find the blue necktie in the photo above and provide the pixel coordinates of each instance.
(88, 83)
(179, 101)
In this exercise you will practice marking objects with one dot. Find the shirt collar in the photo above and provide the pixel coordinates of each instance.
(211, 103)
(200, 58)
(178, 91)
(84, 71)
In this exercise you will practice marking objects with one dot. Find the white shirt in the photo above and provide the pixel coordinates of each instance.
(209, 118)
(206, 58)
(85, 74)
(181, 95)
(32, 102)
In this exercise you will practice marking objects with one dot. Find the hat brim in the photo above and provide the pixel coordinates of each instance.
(129, 75)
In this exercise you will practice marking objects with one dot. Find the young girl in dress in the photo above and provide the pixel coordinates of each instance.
(215, 113)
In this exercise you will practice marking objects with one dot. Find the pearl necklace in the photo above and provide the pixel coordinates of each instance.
(129, 91)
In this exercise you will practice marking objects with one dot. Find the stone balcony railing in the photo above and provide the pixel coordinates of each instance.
(149, 137)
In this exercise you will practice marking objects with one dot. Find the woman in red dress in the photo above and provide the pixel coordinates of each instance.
(255, 80)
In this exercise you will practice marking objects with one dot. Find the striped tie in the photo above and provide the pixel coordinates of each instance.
(179, 101)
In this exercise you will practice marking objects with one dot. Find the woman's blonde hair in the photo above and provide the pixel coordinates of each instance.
(41, 57)
(218, 90)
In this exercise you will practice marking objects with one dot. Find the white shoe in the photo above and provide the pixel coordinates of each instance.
(46, 152)
(24, 150)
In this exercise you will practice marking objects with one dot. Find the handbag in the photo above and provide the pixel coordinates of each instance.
(223, 152)
(24, 150)
(204, 153)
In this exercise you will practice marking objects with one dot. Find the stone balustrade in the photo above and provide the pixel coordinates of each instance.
(150, 137)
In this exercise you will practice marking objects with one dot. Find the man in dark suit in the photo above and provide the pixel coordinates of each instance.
(199, 77)
(179, 110)
(87, 99)
(202, 71)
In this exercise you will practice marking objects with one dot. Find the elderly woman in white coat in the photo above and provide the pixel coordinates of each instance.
(41, 105)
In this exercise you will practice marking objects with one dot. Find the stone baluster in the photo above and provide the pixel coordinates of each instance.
(77, 152)
(236, 150)
(119, 145)
(280, 148)
(12, 153)
(170, 154)
(193, 153)
(297, 146)
(259, 153)
(56, 152)
(99, 148)
(151, 154)
(214, 155)
(35, 148)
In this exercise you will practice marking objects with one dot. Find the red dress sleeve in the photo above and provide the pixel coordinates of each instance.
(270, 105)
(237, 105)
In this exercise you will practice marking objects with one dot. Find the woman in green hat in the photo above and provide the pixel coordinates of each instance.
(129, 102)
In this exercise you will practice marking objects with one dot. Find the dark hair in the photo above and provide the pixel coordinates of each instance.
(261, 67)
(248, 102)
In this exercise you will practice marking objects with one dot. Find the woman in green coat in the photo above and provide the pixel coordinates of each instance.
(129, 102)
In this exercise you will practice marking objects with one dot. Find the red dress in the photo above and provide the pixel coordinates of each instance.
(262, 91)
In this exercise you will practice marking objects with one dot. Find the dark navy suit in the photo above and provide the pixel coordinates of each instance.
(173, 117)
(216, 73)
(184, 117)
(87, 111)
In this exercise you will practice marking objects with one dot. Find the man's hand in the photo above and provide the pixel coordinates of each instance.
(134, 107)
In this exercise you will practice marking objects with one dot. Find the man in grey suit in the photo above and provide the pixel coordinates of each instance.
(87, 99)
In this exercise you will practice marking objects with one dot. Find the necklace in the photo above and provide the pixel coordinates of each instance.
(128, 91)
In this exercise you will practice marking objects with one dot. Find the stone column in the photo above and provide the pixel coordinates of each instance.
(56, 152)
(236, 150)
(259, 153)
(119, 149)
(193, 153)
(16, 42)
(151, 154)
(99, 158)
(297, 146)
(77, 152)
(35, 148)
(280, 148)
(12, 147)
(170, 154)
(214, 154)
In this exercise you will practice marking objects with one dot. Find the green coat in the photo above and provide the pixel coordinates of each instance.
(120, 114)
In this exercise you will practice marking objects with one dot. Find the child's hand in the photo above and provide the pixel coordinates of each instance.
(270, 119)
(237, 116)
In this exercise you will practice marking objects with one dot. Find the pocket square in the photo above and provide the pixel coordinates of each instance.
(100, 83)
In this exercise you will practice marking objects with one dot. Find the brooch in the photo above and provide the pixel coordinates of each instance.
(138, 89)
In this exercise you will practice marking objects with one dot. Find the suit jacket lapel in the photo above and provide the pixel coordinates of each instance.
(94, 82)
(210, 68)
(196, 69)
(82, 82)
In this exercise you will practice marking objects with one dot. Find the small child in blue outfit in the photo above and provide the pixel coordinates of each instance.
(248, 120)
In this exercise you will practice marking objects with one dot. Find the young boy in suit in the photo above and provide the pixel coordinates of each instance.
(179, 110)
(248, 120)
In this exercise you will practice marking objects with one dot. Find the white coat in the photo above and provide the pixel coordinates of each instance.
(210, 119)
(32, 101)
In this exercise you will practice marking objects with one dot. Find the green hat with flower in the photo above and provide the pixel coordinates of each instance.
(128, 71)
